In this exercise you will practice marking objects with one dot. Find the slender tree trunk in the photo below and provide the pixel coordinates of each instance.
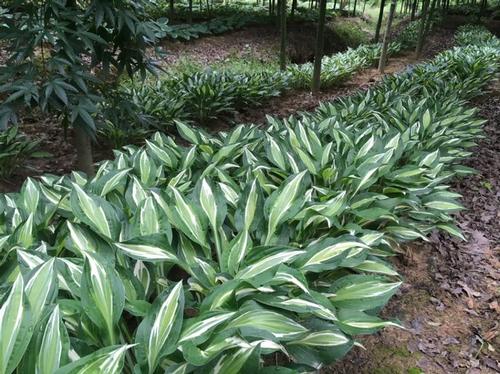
(294, 6)
(387, 36)
(282, 34)
(379, 22)
(364, 6)
(428, 23)
(421, 31)
(484, 5)
(190, 14)
(318, 55)
(83, 146)
(354, 10)
(171, 12)
(413, 10)
(334, 4)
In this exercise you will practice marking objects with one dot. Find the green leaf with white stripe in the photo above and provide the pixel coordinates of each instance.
(41, 288)
(95, 212)
(268, 263)
(15, 327)
(284, 203)
(360, 292)
(108, 360)
(103, 295)
(187, 218)
(158, 333)
(54, 344)
(269, 322)
(325, 338)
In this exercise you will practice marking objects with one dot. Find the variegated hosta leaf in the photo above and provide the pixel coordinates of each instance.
(187, 218)
(248, 205)
(107, 360)
(253, 270)
(269, 323)
(359, 292)
(326, 338)
(235, 362)
(158, 333)
(283, 203)
(103, 294)
(327, 254)
(95, 212)
(54, 344)
(198, 330)
(41, 288)
(355, 322)
(154, 248)
(16, 327)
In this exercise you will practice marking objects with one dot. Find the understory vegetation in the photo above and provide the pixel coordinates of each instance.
(199, 95)
(263, 249)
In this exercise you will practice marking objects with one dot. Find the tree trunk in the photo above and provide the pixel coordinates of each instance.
(334, 4)
(387, 36)
(318, 55)
(428, 23)
(190, 14)
(413, 10)
(364, 7)
(83, 146)
(484, 5)
(379, 22)
(283, 34)
(171, 12)
(421, 31)
(294, 6)
(354, 10)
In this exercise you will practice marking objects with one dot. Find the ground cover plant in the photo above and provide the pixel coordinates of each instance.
(15, 149)
(341, 66)
(217, 256)
(199, 95)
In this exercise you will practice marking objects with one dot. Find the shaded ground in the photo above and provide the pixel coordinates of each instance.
(259, 42)
(450, 299)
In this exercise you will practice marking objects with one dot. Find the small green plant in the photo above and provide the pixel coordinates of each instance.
(15, 149)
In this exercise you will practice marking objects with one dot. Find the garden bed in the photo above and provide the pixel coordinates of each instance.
(449, 302)
(59, 143)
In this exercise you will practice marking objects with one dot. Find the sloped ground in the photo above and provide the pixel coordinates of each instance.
(449, 302)
(260, 42)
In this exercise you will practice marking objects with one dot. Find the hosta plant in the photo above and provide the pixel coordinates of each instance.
(246, 248)
(15, 149)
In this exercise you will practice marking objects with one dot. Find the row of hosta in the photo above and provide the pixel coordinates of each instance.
(196, 97)
(201, 96)
(339, 67)
(215, 26)
(245, 249)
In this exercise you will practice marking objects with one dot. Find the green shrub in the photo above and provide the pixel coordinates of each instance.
(246, 244)
(350, 33)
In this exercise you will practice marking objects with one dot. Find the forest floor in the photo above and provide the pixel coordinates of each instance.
(449, 303)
